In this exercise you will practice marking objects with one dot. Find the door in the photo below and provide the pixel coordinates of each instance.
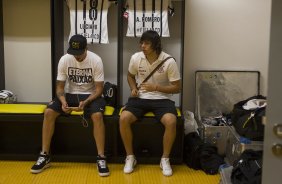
(272, 158)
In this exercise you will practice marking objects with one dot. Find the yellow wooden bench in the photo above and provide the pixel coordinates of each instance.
(109, 111)
(22, 108)
(21, 134)
(39, 109)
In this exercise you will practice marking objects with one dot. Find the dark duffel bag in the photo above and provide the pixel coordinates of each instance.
(248, 123)
(248, 168)
(192, 144)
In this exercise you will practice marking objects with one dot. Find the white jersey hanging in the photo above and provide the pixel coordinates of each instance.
(144, 15)
(89, 18)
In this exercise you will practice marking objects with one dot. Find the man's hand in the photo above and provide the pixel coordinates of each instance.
(82, 104)
(65, 108)
(134, 92)
(149, 87)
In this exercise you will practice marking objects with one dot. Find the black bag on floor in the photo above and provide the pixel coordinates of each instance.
(192, 143)
(210, 160)
(248, 123)
(201, 155)
(248, 168)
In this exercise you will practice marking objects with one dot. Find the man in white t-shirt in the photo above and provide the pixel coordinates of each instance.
(79, 86)
(153, 95)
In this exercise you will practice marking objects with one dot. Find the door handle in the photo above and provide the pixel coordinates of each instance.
(277, 129)
(277, 149)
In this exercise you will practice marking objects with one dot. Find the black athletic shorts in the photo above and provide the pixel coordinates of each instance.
(159, 107)
(97, 105)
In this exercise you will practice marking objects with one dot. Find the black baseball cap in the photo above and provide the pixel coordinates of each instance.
(77, 45)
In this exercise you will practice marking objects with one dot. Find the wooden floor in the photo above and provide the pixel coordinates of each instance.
(18, 172)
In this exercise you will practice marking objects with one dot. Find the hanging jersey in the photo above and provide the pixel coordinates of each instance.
(89, 18)
(144, 15)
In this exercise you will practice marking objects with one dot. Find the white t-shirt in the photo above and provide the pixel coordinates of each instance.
(168, 72)
(89, 18)
(144, 15)
(80, 77)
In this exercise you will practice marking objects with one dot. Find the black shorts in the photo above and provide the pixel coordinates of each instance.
(97, 105)
(159, 107)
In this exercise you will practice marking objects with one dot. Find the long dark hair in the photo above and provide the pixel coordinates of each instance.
(154, 38)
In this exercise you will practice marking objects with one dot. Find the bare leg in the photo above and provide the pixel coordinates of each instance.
(99, 132)
(125, 121)
(169, 122)
(48, 128)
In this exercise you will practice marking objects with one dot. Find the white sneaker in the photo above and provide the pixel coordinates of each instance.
(130, 163)
(165, 166)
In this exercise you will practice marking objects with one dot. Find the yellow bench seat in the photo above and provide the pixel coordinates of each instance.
(22, 108)
(39, 109)
(109, 110)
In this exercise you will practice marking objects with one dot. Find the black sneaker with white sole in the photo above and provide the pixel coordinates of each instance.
(102, 166)
(42, 163)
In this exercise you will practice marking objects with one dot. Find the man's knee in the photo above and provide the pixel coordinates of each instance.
(50, 114)
(169, 120)
(126, 118)
(97, 117)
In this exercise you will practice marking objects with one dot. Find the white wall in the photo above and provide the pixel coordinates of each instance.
(27, 49)
(225, 35)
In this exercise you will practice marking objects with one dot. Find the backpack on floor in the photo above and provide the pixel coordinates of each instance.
(210, 160)
(247, 116)
(248, 168)
(192, 144)
(200, 155)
